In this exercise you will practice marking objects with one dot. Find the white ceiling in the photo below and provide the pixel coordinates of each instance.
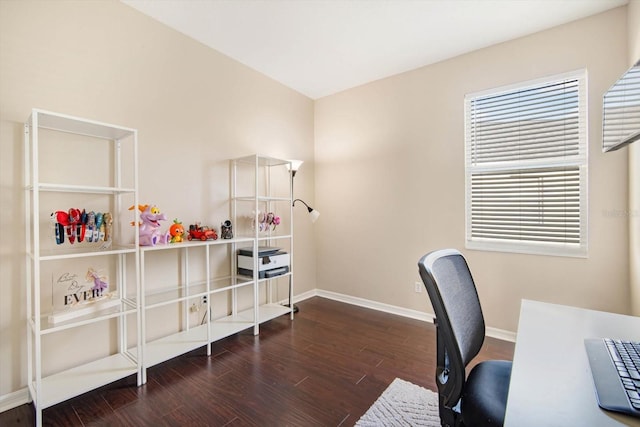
(320, 47)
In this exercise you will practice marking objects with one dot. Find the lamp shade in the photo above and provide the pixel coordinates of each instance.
(314, 214)
(294, 165)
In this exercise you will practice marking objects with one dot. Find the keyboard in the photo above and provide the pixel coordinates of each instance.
(615, 368)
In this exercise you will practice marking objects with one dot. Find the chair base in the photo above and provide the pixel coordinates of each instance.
(450, 417)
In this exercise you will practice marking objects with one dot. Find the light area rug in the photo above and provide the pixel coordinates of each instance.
(403, 404)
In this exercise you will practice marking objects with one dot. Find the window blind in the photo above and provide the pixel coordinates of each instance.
(621, 111)
(526, 160)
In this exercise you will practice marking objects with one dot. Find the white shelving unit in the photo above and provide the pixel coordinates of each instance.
(74, 162)
(204, 278)
(79, 163)
(204, 293)
(261, 184)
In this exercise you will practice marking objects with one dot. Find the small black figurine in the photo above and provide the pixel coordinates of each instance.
(226, 230)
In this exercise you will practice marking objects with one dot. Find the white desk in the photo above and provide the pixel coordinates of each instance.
(551, 381)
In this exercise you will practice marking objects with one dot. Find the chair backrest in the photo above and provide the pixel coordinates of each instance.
(459, 320)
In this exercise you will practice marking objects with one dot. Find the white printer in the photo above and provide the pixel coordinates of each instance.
(272, 262)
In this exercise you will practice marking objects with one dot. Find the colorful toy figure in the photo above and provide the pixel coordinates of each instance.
(95, 227)
(226, 230)
(91, 227)
(98, 234)
(60, 220)
(74, 221)
(150, 234)
(108, 226)
(202, 233)
(82, 226)
(177, 231)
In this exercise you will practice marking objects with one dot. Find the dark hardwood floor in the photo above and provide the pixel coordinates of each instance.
(324, 368)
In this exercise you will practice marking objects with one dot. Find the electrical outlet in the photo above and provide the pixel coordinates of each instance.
(418, 287)
(204, 299)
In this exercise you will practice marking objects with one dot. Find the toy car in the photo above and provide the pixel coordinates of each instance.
(196, 231)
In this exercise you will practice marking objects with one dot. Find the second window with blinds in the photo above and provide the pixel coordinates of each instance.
(526, 167)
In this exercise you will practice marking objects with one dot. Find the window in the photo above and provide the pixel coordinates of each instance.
(526, 167)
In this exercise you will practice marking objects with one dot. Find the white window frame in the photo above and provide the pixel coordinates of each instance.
(514, 168)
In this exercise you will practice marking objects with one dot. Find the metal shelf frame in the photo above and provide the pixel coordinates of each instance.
(265, 195)
(50, 389)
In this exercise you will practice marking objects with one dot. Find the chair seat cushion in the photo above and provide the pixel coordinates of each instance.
(484, 398)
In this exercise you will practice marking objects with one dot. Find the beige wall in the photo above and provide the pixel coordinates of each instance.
(194, 109)
(390, 179)
(633, 25)
(389, 172)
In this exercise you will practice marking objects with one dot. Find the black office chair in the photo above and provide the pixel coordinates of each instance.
(479, 399)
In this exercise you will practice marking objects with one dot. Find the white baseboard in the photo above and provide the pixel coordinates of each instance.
(13, 400)
(387, 308)
(20, 397)
(400, 311)
(501, 334)
(304, 296)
